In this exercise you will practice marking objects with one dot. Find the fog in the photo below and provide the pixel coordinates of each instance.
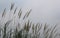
(43, 11)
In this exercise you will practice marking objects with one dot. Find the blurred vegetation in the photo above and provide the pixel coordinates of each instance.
(29, 30)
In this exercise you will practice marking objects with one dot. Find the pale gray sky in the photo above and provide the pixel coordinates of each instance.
(42, 10)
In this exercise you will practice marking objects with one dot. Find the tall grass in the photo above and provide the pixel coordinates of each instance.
(29, 29)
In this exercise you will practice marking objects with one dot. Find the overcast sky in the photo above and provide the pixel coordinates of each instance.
(42, 10)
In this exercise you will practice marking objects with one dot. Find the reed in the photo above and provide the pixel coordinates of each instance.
(29, 30)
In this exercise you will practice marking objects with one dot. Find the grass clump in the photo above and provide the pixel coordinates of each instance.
(29, 29)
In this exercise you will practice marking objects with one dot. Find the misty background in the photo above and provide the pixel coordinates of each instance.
(43, 11)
